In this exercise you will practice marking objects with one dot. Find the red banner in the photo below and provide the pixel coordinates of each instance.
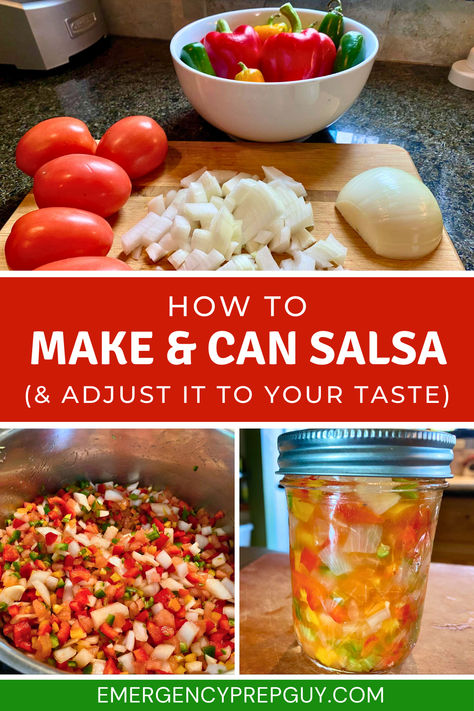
(251, 349)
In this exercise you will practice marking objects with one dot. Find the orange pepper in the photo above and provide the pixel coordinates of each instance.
(271, 28)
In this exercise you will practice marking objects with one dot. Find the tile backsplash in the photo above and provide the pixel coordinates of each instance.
(422, 31)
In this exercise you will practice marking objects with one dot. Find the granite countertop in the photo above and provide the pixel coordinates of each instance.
(413, 106)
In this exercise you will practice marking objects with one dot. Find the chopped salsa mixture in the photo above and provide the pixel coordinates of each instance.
(360, 554)
(107, 579)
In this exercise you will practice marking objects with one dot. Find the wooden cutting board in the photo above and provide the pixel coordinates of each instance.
(322, 168)
(268, 644)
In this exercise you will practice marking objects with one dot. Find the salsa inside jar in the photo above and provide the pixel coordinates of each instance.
(360, 549)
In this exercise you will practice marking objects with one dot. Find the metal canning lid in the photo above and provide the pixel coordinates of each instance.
(367, 452)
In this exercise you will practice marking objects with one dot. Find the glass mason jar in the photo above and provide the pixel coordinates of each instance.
(363, 507)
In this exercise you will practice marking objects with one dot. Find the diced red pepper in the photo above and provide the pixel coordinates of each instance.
(63, 633)
(109, 631)
(111, 667)
(140, 655)
(309, 559)
(10, 553)
(17, 522)
(26, 570)
(51, 538)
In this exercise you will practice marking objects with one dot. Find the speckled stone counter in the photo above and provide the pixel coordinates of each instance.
(413, 106)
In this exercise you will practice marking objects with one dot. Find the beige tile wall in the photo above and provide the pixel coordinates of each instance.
(424, 31)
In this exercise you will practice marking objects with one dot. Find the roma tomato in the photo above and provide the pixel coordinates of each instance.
(53, 233)
(96, 264)
(50, 139)
(85, 182)
(137, 143)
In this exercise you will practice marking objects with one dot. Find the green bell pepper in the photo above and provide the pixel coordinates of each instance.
(332, 23)
(351, 51)
(196, 57)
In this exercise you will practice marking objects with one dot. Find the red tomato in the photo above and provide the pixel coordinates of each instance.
(137, 143)
(50, 139)
(43, 236)
(99, 264)
(86, 182)
(22, 635)
(355, 512)
(309, 559)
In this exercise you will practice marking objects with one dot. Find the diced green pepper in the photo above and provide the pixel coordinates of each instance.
(210, 650)
(15, 536)
(54, 641)
(110, 619)
(383, 550)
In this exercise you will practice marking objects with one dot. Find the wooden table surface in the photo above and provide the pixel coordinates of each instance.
(267, 641)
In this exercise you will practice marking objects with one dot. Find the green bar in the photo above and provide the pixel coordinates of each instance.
(389, 694)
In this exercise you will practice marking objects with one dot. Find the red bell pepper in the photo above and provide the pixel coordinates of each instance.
(327, 55)
(226, 48)
(291, 56)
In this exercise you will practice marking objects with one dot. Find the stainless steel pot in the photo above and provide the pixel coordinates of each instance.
(196, 465)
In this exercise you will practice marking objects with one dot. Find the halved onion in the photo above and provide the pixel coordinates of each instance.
(393, 211)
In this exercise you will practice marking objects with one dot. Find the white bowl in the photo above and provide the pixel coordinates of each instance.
(282, 111)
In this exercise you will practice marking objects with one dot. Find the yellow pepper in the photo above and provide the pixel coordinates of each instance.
(271, 28)
(248, 74)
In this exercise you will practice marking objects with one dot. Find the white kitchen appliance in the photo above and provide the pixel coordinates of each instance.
(45, 33)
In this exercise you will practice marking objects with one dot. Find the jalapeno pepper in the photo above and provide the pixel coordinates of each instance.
(351, 51)
(332, 23)
(196, 57)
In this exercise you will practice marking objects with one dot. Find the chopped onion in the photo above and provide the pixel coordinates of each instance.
(218, 589)
(335, 561)
(100, 616)
(129, 641)
(375, 620)
(83, 658)
(12, 594)
(63, 654)
(127, 661)
(113, 495)
(363, 538)
(377, 500)
(206, 224)
(140, 631)
(82, 500)
(187, 633)
(164, 559)
(162, 652)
